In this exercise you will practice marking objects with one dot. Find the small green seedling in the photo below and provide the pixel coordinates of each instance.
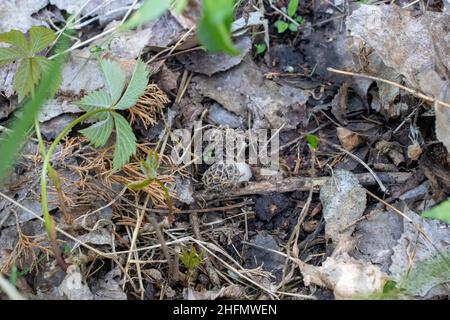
(149, 168)
(260, 48)
(111, 99)
(313, 141)
(191, 259)
(284, 24)
(26, 51)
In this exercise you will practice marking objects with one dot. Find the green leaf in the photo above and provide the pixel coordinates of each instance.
(191, 259)
(27, 76)
(151, 9)
(260, 48)
(99, 99)
(313, 141)
(114, 78)
(12, 142)
(300, 20)
(136, 87)
(17, 39)
(281, 26)
(125, 142)
(40, 38)
(293, 27)
(150, 165)
(9, 54)
(99, 133)
(46, 65)
(440, 212)
(140, 185)
(214, 30)
(292, 8)
(180, 5)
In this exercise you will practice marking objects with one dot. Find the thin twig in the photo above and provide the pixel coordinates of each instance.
(409, 90)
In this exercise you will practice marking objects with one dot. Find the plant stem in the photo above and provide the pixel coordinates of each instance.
(46, 167)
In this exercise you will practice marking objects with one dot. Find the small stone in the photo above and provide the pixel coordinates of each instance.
(255, 257)
(344, 201)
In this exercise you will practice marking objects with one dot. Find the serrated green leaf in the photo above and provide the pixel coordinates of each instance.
(17, 39)
(9, 54)
(99, 133)
(46, 65)
(9, 147)
(136, 87)
(125, 142)
(150, 9)
(292, 7)
(40, 38)
(27, 76)
(140, 185)
(214, 30)
(99, 99)
(114, 78)
(440, 212)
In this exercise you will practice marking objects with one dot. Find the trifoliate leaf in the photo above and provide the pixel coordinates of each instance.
(214, 31)
(440, 212)
(40, 38)
(99, 133)
(150, 9)
(114, 78)
(17, 39)
(27, 77)
(30, 68)
(99, 99)
(9, 54)
(125, 142)
(136, 87)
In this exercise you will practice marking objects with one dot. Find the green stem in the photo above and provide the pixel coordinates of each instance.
(49, 224)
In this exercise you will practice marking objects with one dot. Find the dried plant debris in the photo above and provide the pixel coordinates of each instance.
(184, 190)
(109, 287)
(149, 106)
(244, 89)
(256, 256)
(344, 201)
(377, 235)
(347, 277)
(73, 286)
(419, 265)
(18, 14)
(222, 117)
(7, 73)
(417, 47)
(233, 291)
(209, 64)
(104, 11)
